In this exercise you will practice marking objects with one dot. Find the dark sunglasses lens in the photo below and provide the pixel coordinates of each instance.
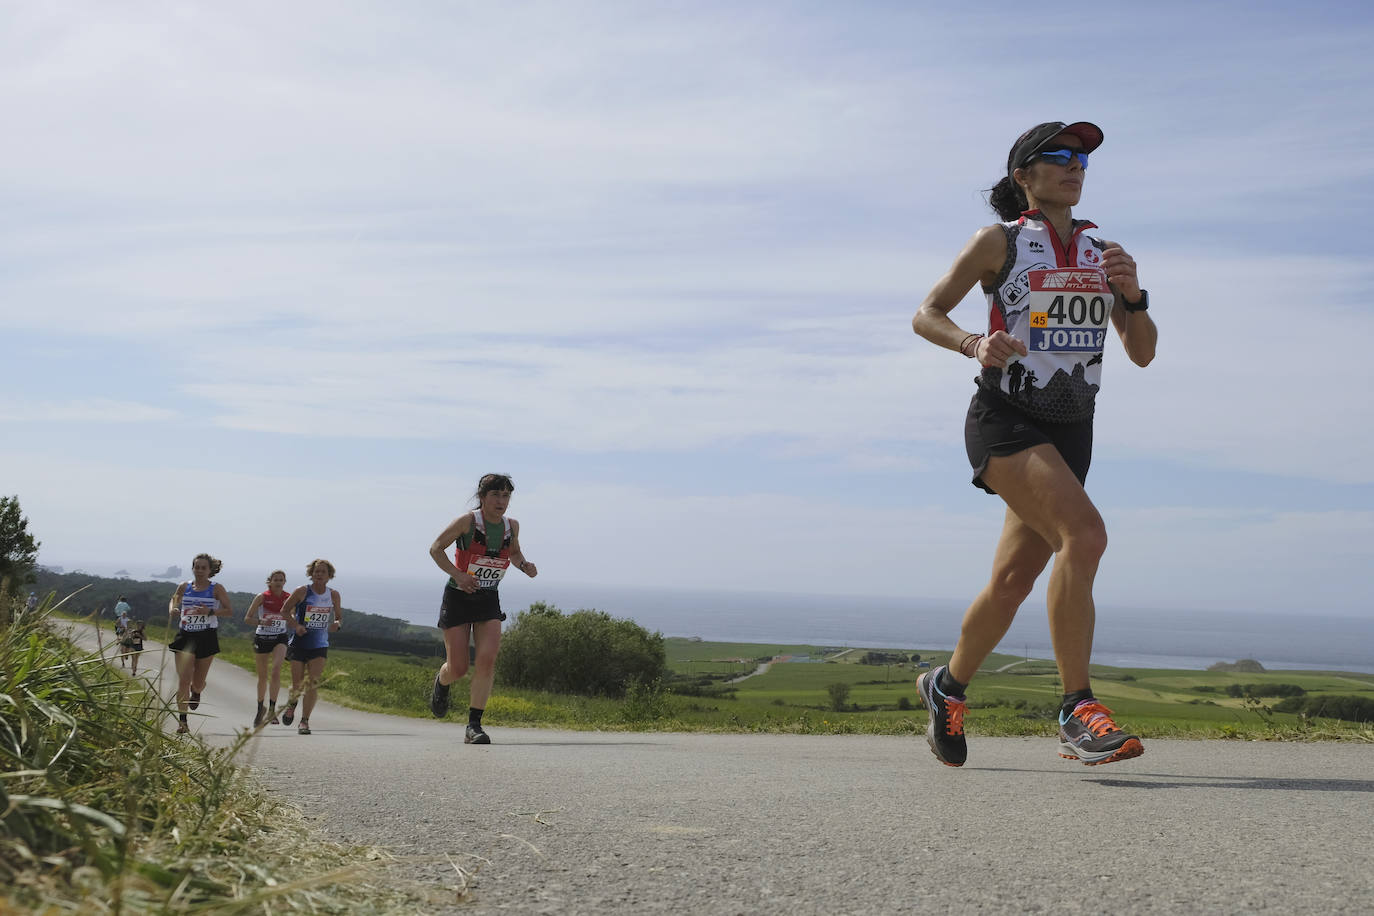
(1064, 156)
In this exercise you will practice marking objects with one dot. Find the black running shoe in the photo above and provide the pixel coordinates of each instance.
(945, 725)
(438, 698)
(257, 720)
(1090, 735)
(195, 700)
(288, 714)
(475, 735)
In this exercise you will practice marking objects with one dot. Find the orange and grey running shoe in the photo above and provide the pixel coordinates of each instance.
(945, 725)
(1090, 735)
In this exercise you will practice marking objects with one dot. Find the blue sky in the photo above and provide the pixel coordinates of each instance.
(283, 281)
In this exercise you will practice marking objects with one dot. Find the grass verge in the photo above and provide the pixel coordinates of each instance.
(102, 812)
(793, 698)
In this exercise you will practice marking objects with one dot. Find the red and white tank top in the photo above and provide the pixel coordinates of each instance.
(1054, 298)
(273, 623)
(487, 562)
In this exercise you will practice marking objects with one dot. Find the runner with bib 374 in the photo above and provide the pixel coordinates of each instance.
(197, 605)
(1052, 291)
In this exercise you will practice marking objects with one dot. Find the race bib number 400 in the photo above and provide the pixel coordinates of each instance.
(488, 570)
(1069, 309)
(318, 619)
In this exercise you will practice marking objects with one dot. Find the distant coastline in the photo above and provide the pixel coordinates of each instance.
(1126, 637)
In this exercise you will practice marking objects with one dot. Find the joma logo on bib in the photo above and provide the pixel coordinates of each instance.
(1068, 310)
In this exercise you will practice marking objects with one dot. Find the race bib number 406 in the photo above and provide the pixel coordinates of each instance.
(1069, 308)
(488, 570)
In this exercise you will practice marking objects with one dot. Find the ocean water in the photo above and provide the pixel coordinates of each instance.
(1125, 637)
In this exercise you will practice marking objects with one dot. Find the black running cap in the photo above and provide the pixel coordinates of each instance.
(1039, 137)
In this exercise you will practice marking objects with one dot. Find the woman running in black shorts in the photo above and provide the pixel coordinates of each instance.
(198, 605)
(488, 542)
(318, 611)
(270, 637)
(1052, 291)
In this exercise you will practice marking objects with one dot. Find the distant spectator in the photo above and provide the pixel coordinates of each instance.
(32, 604)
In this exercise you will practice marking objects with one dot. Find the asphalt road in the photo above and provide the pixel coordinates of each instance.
(583, 822)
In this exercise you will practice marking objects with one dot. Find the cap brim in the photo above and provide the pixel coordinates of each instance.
(1088, 132)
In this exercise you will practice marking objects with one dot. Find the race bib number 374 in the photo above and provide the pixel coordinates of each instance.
(1069, 308)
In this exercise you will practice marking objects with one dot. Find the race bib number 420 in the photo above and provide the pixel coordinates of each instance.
(1069, 308)
(318, 620)
(488, 570)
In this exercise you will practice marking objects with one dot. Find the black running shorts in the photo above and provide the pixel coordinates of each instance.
(203, 643)
(997, 428)
(458, 607)
(263, 644)
(298, 653)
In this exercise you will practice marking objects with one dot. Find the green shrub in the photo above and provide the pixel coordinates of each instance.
(587, 652)
(645, 701)
(1347, 708)
(1264, 690)
(839, 696)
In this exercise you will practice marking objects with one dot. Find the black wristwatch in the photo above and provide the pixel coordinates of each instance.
(1140, 306)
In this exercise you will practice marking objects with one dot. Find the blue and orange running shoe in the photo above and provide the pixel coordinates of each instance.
(1090, 735)
(945, 725)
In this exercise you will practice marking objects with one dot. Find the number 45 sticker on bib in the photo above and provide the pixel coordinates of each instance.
(1069, 309)
(488, 570)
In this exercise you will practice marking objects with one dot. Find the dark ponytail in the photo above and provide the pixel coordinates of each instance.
(1007, 198)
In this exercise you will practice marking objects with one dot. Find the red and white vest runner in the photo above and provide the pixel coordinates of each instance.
(474, 559)
(1055, 299)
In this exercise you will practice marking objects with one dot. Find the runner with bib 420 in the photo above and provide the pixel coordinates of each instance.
(1052, 291)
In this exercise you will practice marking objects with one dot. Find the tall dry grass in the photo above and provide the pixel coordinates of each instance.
(102, 811)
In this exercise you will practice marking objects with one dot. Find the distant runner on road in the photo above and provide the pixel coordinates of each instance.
(1052, 290)
(487, 544)
(132, 645)
(318, 612)
(121, 626)
(197, 605)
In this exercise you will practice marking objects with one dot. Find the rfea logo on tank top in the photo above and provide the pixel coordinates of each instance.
(1069, 309)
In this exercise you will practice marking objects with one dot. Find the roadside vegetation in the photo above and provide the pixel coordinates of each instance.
(103, 812)
(586, 670)
(838, 690)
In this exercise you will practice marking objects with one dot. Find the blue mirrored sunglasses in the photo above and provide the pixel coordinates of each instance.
(1063, 156)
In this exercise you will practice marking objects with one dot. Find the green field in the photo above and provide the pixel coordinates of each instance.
(794, 696)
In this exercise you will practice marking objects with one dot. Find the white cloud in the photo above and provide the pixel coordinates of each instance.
(92, 410)
(568, 228)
